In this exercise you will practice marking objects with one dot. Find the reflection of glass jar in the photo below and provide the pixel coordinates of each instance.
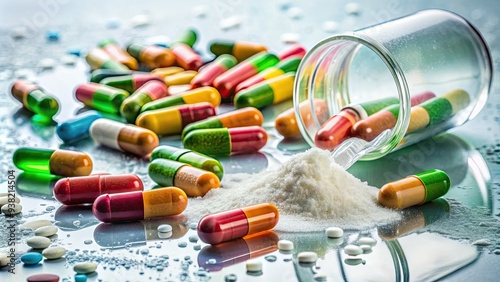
(432, 50)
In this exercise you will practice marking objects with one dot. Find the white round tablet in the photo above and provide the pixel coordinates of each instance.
(307, 257)
(334, 232)
(285, 245)
(254, 265)
(353, 250)
(367, 241)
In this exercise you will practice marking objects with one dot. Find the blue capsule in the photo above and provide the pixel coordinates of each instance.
(77, 128)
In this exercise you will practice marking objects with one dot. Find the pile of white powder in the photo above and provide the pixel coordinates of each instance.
(310, 190)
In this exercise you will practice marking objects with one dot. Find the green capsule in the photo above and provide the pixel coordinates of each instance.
(35, 99)
(436, 182)
(98, 75)
(366, 109)
(198, 95)
(149, 92)
(189, 157)
(130, 83)
(268, 92)
(188, 37)
(101, 97)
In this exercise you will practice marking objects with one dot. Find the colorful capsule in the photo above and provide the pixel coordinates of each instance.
(370, 127)
(198, 95)
(130, 83)
(239, 49)
(152, 56)
(35, 99)
(164, 72)
(188, 37)
(180, 78)
(139, 205)
(237, 251)
(186, 57)
(234, 224)
(296, 50)
(437, 110)
(85, 189)
(286, 122)
(188, 157)
(173, 120)
(98, 59)
(227, 82)
(77, 128)
(56, 162)
(123, 137)
(194, 181)
(288, 65)
(268, 92)
(209, 72)
(150, 91)
(243, 117)
(98, 75)
(338, 127)
(118, 54)
(414, 190)
(226, 141)
(101, 97)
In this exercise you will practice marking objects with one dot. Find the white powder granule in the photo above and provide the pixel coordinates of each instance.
(310, 190)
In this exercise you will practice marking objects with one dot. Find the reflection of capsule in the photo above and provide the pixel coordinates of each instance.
(77, 128)
(56, 162)
(123, 137)
(414, 219)
(238, 223)
(35, 184)
(202, 94)
(139, 205)
(101, 97)
(137, 233)
(70, 218)
(116, 53)
(236, 251)
(226, 141)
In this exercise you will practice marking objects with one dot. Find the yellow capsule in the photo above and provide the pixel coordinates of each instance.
(198, 95)
(164, 72)
(180, 78)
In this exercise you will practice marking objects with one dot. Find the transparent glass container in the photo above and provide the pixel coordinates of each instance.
(430, 51)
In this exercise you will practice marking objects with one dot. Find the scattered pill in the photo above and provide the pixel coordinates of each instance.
(214, 228)
(200, 11)
(5, 200)
(226, 141)
(353, 261)
(53, 35)
(57, 162)
(230, 22)
(230, 278)
(177, 117)
(239, 49)
(186, 57)
(414, 190)
(330, 26)
(123, 137)
(116, 53)
(130, 82)
(31, 258)
(166, 71)
(77, 128)
(294, 13)
(286, 122)
(198, 95)
(46, 231)
(150, 91)
(334, 232)
(4, 260)
(367, 241)
(193, 238)
(35, 99)
(140, 21)
(188, 157)
(290, 38)
(353, 250)
(80, 277)
(38, 242)
(352, 8)
(307, 257)
(242, 117)
(35, 224)
(139, 205)
(101, 97)
(43, 278)
(496, 252)
(285, 245)
(253, 265)
(269, 92)
(152, 56)
(182, 244)
(47, 64)
(164, 228)
(19, 32)
(54, 252)
(98, 59)
(211, 71)
(85, 267)
(11, 208)
(366, 248)
(482, 242)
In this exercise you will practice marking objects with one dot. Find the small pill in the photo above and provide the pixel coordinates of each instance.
(286, 122)
(80, 277)
(307, 257)
(35, 99)
(294, 51)
(482, 242)
(5, 200)
(19, 32)
(98, 59)
(164, 235)
(11, 208)
(46, 231)
(353, 250)
(53, 35)
(35, 224)
(231, 22)
(353, 261)
(367, 241)
(140, 21)
(46, 277)
(366, 248)
(54, 252)
(116, 53)
(47, 64)
(31, 258)
(211, 71)
(152, 56)
(101, 97)
(290, 38)
(85, 267)
(285, 245)
(198, 95)
(334, 232)
(4, 260)
(130, 82)
(150, 91)
(254, 265)
(164, 228)
(38, 242)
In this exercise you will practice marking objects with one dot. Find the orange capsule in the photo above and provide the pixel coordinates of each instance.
(286, 122)
(152, 56)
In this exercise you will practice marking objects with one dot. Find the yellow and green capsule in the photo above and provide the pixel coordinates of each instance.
(269, 92)
(203, 94)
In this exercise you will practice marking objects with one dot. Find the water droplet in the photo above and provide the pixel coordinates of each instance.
(212, 261)
(88, 242)
(76, 223)
(270, 258)
(230, 278)
(182, 244)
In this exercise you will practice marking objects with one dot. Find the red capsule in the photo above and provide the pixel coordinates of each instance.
(186, 57)
(336, 129)
(295, 50)
(85, 189)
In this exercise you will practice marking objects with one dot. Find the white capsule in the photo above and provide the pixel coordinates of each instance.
(334, 232)
(367, 241)
(69, 60)
(5, 200)
(307, 257)
(254, 265)
(353, 250)
(200, 11)
(285, 245)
